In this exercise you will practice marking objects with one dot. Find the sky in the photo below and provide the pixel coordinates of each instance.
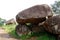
(10, 8)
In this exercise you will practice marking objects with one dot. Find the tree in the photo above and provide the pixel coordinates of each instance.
(56, 7)
(2, 21)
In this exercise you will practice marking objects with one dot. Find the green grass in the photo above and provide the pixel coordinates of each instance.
(46, 36)
(40, 36)
(11, 30)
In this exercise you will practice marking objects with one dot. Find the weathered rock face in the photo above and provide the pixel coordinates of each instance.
(53, 24)
(11, 21)
(35, 14)
(22, 29)
(37, 28)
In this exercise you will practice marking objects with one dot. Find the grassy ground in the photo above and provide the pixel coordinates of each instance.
(40, 36)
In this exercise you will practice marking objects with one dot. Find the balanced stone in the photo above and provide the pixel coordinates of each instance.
(35, 14)
(29, 18)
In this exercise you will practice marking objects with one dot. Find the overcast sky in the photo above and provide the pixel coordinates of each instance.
(9, 8)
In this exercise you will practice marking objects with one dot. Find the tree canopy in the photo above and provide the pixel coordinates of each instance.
(2, 21)
(56, 7)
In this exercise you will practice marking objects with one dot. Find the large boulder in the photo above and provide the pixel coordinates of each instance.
(52, 25)
(35, 14)
(22, 29)
(26, 29)
(11, 21)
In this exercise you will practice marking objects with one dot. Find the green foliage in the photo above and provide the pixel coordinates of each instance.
(40, 35)
(11, 30)
(46, 36)
(56, 7)
(2, 21)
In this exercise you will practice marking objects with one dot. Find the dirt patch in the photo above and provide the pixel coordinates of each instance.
(5, 36)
